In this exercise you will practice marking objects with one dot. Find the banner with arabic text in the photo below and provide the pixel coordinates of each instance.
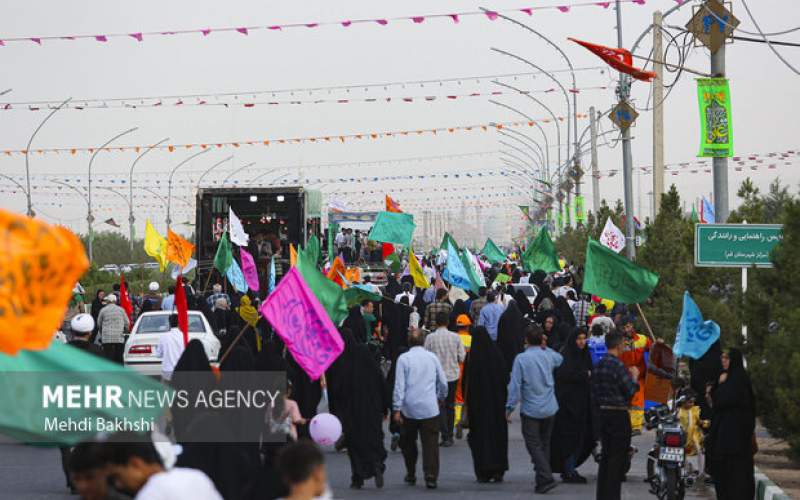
(716, 132)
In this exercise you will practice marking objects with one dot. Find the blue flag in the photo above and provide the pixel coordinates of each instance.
(695, 336)
(236, 277)
(455, 273)
(272, 274)
(708, 211)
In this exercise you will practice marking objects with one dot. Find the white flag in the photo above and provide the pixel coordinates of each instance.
(235, 229)
(612, 237)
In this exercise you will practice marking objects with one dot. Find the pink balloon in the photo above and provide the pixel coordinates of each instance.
(325, 429)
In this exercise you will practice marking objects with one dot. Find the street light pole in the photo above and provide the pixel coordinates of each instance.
(244, 167)
(89, 216)
(623, 92)
(28, 149)
(169, 184)
(131, 218)
(130, 211)
(203, 175)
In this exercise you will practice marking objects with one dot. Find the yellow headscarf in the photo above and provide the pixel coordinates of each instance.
(250, 315)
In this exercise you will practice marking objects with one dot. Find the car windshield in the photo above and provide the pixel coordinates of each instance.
(158, 323)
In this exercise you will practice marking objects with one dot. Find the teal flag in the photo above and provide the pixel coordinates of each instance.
(541, 254)
(329, 294)
(456, 272)
(24, 378)
(695, 336)
(492, 252)
(393, 227)
(612, 276)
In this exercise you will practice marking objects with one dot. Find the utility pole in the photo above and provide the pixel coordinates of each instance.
(720, 165)
(623, 92)
(595, 173)
(658, 112)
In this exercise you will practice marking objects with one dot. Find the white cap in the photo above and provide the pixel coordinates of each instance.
(111, 298)
(82, 323)
(153, 286)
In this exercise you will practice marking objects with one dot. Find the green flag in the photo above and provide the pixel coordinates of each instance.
(393, 262)
(502, 278)
(541, 254)
(393, 227)
(355, 295)
(526, 210)
(580, 212)
(329, 294)
(492, 252)
(448, 239)
(224, 257)
(612, 276)
(27, 377)
(313, 250)
(331, 238)
(695, 218)
(474, 280)
(716, 134)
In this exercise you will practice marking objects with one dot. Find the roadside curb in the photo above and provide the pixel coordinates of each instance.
(766, 489)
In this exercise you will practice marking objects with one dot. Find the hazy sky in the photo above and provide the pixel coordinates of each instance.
(765, 95)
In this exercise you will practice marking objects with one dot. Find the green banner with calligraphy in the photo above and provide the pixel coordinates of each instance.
(735, 245)
(716, 130)
(580, 212)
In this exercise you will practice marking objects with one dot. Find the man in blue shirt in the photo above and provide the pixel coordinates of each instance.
(490, 315)
(169, 301)
(532, 386)
(419, 387)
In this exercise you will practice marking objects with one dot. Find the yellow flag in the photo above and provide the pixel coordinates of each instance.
(179, 250)
(420, 280)
(292, 255)
(155, 245)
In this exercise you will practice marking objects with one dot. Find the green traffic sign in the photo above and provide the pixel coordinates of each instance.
(735, 245)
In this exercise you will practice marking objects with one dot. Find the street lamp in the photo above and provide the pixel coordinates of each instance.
(88, 208)
(130, 211)
(131, 218)
(236, 172)
(197, 186)
(171, 174)
(89, 216)
(537, 151)
(28, 149)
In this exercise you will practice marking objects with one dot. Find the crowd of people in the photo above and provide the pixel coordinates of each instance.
(436, 363)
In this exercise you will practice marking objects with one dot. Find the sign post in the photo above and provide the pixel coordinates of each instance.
(735, 245)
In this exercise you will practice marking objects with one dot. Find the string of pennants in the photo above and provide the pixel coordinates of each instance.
(770, 161)
(245, 103)
(296, 140)
(453, 18)
(347, 164)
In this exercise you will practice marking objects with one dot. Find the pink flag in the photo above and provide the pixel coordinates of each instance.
(528, 11)
(492, 15)
(418, 19)
(346, 23)
(249, 269)
(300, 320)
(382, 22)
(137, 36)
(101, 38)
(243, 31)
(454, 17)
(206, 31)
(564, 8)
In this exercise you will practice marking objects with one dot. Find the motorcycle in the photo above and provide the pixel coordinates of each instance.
(666, 461)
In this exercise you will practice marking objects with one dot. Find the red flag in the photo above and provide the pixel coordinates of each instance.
(387, 249)
(619, 59)
(124, 299)
(183, 309)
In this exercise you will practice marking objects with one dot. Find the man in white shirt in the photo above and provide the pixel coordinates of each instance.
(170, 348)
(136, 468)
(406, 293)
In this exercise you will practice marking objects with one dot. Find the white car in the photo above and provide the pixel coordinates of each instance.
(140, 349)
(528, 289)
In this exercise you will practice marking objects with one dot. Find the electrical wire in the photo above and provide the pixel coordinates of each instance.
(769, 44)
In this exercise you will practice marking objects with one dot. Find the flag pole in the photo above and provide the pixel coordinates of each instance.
(649, 330)
(233, 344)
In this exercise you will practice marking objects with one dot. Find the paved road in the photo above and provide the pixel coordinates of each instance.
(30, 473)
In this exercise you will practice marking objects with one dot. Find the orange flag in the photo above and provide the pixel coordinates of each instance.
(39, 266)
(336, 268)
(353, 274)
(179, 250)
(292, 255)
(391, 205)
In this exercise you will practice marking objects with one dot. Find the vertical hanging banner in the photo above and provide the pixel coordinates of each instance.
(716, 132)
(580, 213)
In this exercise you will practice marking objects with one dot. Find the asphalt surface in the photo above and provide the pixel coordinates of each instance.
(32, 473)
